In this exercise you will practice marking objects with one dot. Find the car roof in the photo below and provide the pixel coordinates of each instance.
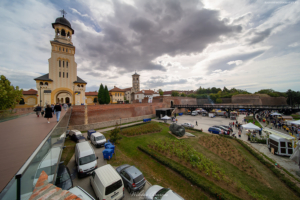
(133, 171)
(170, 195)
(78, 191)
(85, 149)
(96, 134)
(107, 174)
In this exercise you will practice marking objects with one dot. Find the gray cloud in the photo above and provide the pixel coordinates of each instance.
(135, 36)
(159, 81)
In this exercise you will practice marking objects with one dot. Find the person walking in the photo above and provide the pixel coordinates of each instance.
(196, 123)
(240, 133)
(65, 106)
(48, 113)
(57, 110)
(38, 110)
(52, 107)
(176, 120)
(43, 112)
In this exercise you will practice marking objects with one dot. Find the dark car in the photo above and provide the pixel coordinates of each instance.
(63, 178)
(223, 128)
(227, 127)
(76, 136)
(214, 130)
(133, 178)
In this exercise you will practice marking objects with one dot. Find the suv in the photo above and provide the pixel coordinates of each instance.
(133, 178)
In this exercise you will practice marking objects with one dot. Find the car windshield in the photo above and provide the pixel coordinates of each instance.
(62, 178)
(87, 159)
(100, 137)
(49, 170)
(161, 193)
(113, 187)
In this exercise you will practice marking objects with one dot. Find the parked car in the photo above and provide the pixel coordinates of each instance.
(223, 128)
(81, 193)
(214, 130)
(158, 192)
(85, 159)
(227, 127)
(189, 113)
(133, 178)
(98, 139)
(76, 136)
(63, 177)
(107, 183)
(188, 125)
(194, 113)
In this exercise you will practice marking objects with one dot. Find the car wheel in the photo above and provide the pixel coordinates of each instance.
(129, 189)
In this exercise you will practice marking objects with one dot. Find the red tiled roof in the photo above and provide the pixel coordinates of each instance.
(116, 89)
(127, 89)
(168, 92)
(31, 91)
(91, 94)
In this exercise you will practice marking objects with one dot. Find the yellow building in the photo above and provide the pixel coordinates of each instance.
(116, 95)
(61, 84)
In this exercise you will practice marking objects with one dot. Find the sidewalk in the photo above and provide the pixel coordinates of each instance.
(19, 139)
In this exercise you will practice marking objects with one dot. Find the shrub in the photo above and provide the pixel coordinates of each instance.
(114, 134)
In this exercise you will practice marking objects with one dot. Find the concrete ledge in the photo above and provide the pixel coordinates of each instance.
(98, 125)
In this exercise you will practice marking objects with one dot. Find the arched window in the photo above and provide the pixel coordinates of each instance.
(63, 63)
(59, 48)
(81, 85)
(68, 35)
(41, 83)
(67, 63)
(63, 32)
(22, 102)
(46, 83)
(66, 50)
(95, 100)
(78, 85)
(59, 62)
(59, 74)
(67, 75)
(57, 31)
(63, 49)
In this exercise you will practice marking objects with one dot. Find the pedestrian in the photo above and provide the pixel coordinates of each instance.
(240, 133)
(65, 106)
(176, 120)
(48, 113)
(57, 110)
(196, 123)
(52, 107)
(43, 112)
(38, 110)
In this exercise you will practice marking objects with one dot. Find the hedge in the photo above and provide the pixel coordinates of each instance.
(193, 177)
(277, 173)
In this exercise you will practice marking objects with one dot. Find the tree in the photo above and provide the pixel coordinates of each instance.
(114, 135)
(219, 100)
(10, 96)
(225, 89)
(182, 95)
(175, 94)
(161, 93)
(101, 96)
(106, 94)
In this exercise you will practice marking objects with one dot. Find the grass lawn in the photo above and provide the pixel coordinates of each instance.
(256, 122)
(262, 184)
(68, 152)
(296, 117)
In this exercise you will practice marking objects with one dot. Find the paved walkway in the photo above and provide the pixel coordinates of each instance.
(19, 139)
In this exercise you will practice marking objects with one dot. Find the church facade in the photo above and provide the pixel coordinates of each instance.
(61, 84)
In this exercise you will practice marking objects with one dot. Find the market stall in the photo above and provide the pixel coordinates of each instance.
(233, 115)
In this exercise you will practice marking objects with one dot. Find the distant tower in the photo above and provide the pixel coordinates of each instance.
(136, 82)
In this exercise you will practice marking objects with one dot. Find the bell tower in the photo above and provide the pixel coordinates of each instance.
(136, 82)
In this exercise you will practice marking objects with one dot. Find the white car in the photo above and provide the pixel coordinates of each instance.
(188, 125)
(158, 192)
(98, 139)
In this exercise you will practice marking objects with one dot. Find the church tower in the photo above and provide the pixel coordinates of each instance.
(63, 84)
(135, 82)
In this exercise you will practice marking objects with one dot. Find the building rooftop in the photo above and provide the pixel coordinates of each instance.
(91, 93)
(79, 80)
(116, 89)
(43, 78)
(63, 21)
(28, 92)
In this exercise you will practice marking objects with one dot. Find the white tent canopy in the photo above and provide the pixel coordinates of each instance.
(296, 122)
(250, 126)
(276, 114)
(165, 117)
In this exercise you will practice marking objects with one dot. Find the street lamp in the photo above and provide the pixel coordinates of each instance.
(120, 123)
(40, 95)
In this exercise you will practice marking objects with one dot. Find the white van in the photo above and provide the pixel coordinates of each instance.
(194, 113)
(85, 158)
(98, 139)
(78, 191)
(107, 183)
(48, 164)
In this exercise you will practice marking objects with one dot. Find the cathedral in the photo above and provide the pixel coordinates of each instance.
(61, 84)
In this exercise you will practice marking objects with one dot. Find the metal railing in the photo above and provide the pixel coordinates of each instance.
(50, 150)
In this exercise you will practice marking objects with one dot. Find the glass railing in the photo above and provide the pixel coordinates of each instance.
(45, 158)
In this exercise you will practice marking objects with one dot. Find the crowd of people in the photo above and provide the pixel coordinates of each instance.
(50, 110)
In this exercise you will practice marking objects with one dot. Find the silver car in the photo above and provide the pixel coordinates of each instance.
(156, 192)
(188, 125)
(133, 178)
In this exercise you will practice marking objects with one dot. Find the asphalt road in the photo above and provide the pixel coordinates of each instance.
(85, 182)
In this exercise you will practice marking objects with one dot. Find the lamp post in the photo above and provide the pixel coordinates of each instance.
(40, 95)
(120, 123)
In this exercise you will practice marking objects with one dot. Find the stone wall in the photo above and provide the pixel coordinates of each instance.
(202, 101)
(226, 100)
(273, 101)
(77, 116)
(176, 100)
(85, 127)
(258, 99)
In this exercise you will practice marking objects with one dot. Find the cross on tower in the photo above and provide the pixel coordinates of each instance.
(63, 12)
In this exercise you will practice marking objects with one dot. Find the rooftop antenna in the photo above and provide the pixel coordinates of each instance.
(63, 12)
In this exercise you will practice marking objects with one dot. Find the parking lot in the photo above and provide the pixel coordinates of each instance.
(85, 182)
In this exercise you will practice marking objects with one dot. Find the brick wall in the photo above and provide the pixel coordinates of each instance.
(226, 100)
(202, 101)
(77, 116)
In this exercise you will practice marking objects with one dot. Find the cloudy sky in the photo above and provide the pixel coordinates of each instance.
(172, 44)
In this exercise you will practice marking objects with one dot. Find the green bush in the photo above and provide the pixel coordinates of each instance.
(114, 135)
(193, 177)
(142, 129)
